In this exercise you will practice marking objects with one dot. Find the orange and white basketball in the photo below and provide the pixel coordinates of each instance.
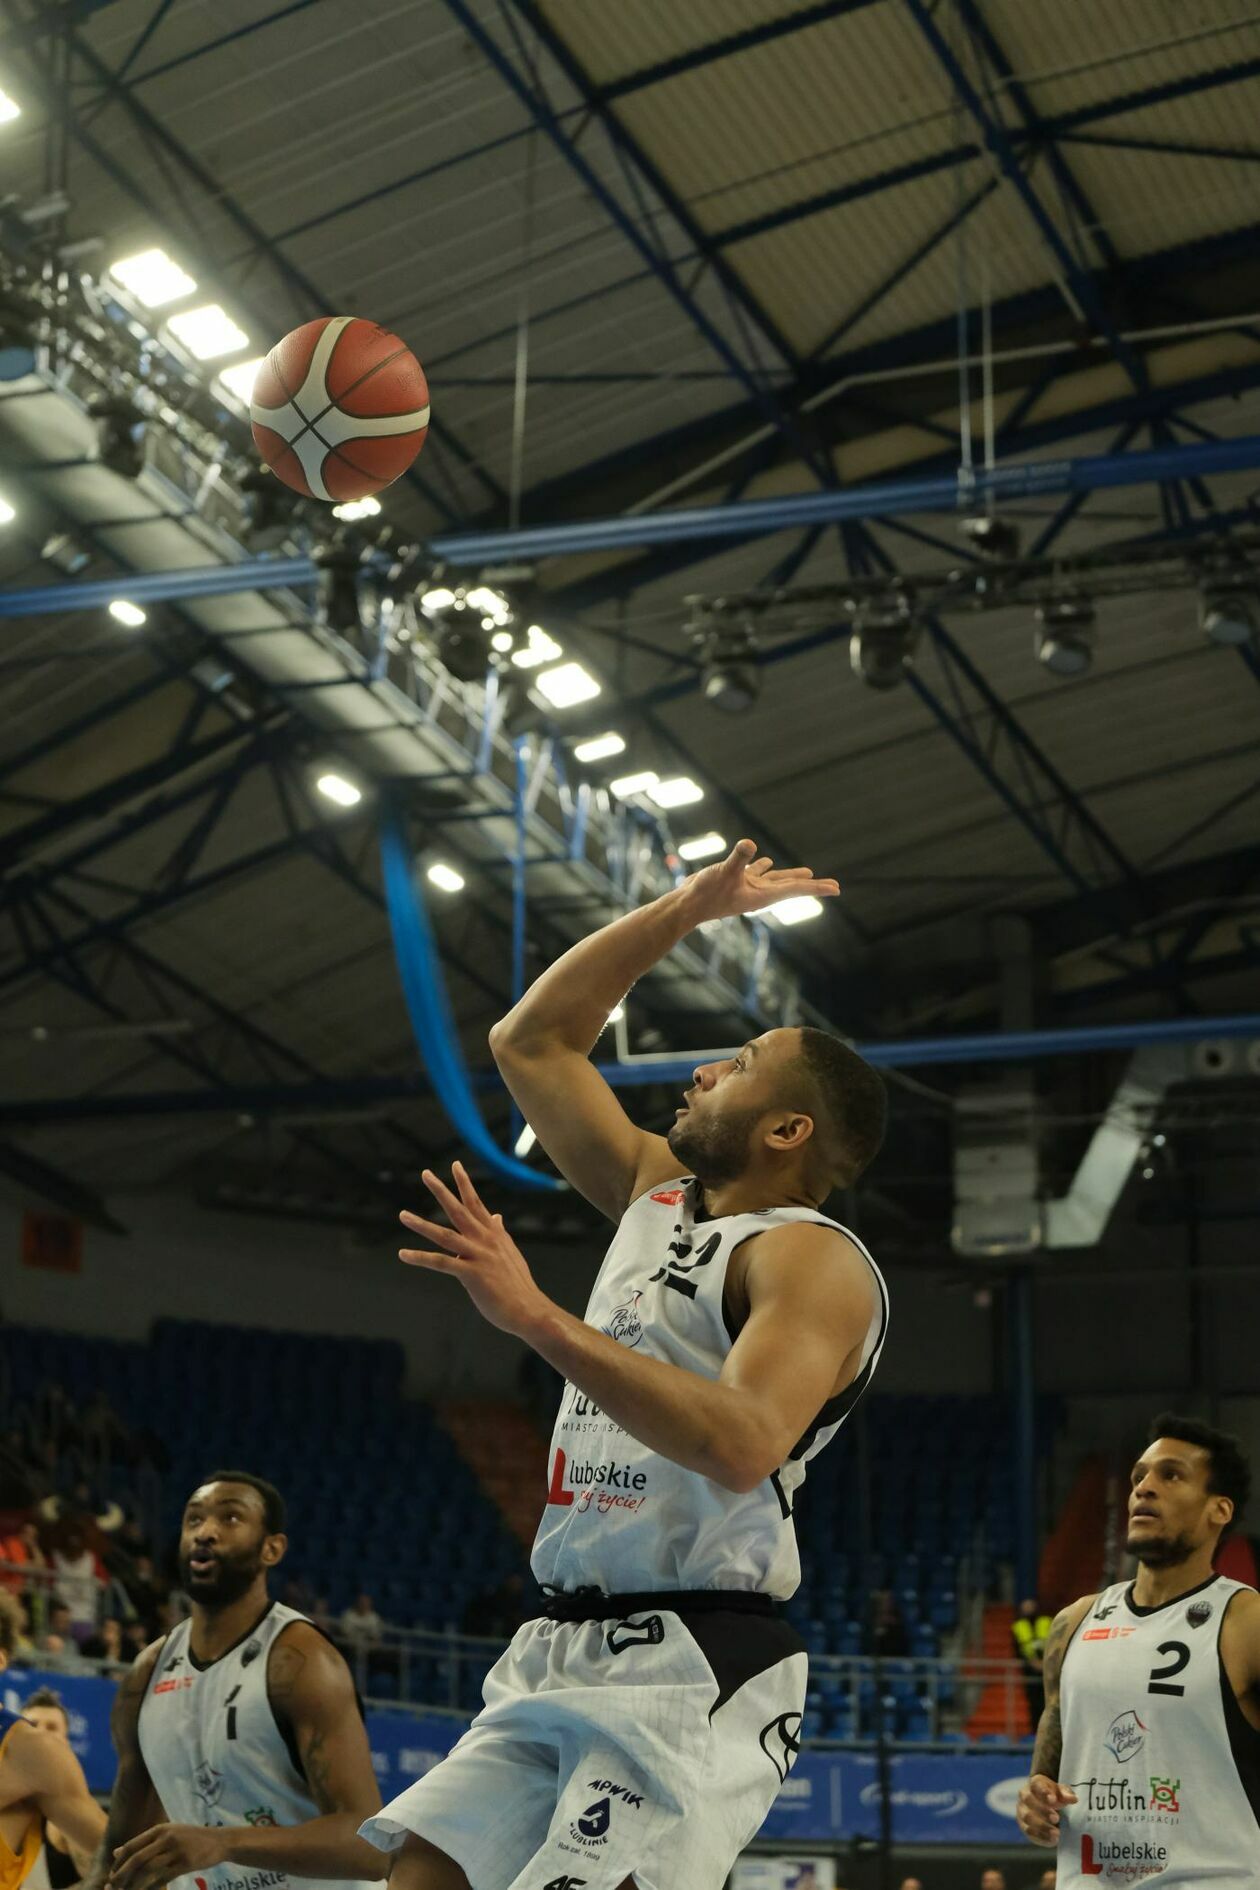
(340, 408)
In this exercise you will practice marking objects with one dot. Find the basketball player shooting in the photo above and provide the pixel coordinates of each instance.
(1147, 1761)
(41, 1781)
(638, 1734)
(241, 1726)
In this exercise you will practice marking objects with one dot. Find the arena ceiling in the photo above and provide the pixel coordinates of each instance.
(726, 245)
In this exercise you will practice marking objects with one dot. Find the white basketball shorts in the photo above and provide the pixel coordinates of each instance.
(651, 1745)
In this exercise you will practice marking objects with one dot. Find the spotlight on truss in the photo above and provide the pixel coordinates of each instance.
(120, 434)
(1066, 636)
(995, 538)
(730, 676)
(337, 588)
(1229, 612)
(881, 647)
(268, 513)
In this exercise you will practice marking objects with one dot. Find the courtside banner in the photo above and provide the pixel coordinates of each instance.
(943, 1798)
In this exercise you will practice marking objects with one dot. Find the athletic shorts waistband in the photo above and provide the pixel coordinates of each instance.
(590, 1604)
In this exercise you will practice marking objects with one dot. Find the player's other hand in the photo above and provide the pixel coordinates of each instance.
(164, 1852)
(745, 882)
(1037, 1809)
(478, 1251)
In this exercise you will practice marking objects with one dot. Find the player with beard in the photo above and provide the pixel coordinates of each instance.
(1147, 1761)
(641, 1731)
(241, 1726)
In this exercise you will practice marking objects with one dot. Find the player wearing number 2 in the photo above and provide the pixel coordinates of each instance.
(1147, 1763)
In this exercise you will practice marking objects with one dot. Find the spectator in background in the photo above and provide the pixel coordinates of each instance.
(56, 1646)
(106, 1643)
(912, 1883)
(146, 1591)
(322, 1618)
(992, 1879)
(77, 1574)
(135, 1638)
(21, 1548)
(1030, 1631)
(299, 1594)
(361, 1626)
(889, 1639)
(23, 1654)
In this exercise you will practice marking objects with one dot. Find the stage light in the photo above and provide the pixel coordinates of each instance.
(439, 598)
(337, 588)
(127, 613)
(730, 677)
(207, 332)
(882, 644)
(994, 538)
(538, 648)
(490, 603)
(705, 846)
(152, 278)
(600, 748)
(462, 646)
(1229, 613)
(628, 785)
(568, 685)
(120, 433)
(445, 878)
(1065, 636)
(238, 380)
(680, 791)
(795, 911)
(354, 509)
(337, 788)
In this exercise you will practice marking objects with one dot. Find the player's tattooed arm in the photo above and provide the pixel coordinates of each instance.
(1040, 1800)
(133, 1803)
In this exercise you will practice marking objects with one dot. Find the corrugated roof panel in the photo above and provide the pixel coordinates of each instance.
(613, 41)
(1076, 53)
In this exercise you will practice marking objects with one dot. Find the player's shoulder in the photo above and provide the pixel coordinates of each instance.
(301, 1649)
(808, 1254)
(29, 1758)
(1068, 1619)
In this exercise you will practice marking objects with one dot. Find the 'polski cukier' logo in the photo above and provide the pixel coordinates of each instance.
(1125, 1736)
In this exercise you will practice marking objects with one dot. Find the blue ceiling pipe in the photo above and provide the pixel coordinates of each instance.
(745, 518)
(1008, 1046)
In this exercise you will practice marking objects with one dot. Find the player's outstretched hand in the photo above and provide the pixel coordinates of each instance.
(744, 883)
(478, 1251)
(164, 1852)
(1037, 1809)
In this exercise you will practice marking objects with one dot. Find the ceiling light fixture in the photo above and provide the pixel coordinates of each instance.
(795, 911)
(538, 648)
(600, 748)
(881, 647)
(680, 791)
(445, 878)
(153, 278)
(122, 611)
(335, 787)
(238, 380)
(1229, 612)
(568, 685)
(207, 332)
(730, 676)
(704, 846)
(1065, 636)
(351, 510)
(9, 109)
(626, 786)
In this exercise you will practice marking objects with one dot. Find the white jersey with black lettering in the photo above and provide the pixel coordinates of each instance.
(216, 1756)
(1165, 1767)
(618, 1516)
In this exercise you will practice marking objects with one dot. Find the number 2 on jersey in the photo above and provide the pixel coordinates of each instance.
(1161, 1676)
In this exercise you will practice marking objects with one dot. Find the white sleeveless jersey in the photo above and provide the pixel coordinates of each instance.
(619, 1517)
(1155, 1746)
(215, 1753)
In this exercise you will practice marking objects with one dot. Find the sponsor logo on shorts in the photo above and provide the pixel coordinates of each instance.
(592, 1827)
(1126, 1735)
(781, 1741)
(1121, 1860)
(649, 1632)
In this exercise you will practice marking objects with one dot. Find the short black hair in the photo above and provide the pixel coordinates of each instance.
(274, 1512)
(1229, 1473)
(854, 1097)
(46, 1696)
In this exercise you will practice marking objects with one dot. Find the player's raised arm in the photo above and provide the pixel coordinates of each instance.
(1038, 1808)
(542, 1047)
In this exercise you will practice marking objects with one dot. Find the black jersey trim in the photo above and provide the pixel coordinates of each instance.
(1244, 1738)
(204, 1666)
(1158, 1607)
(838, 1408)
(283, 1726)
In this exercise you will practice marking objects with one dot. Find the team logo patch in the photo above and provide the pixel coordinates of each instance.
(251, 1652)
(781, 1741)
(1103, 1609)
(208, 1784)
(1126, 1736)
(1198, 1612)
(649, 1632)
(1164, 1793)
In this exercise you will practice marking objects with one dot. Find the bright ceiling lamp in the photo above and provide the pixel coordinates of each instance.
(338, 789)
(537, 648)
(524, 1142)
(568, 685)
(680, 791)
(627, 785)
(152, 278)
(123, 611)
(7, 512)
(9, 109)
(600, 747)
(491, 604)
(445, 878)
(795, 911)
(438, 598)
(354, 509)
(705, 846)
(238, 380)
(207, 332)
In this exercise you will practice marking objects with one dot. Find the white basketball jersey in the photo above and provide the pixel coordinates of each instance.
(214, 1751)
(1156, 1748)
(618, 1516)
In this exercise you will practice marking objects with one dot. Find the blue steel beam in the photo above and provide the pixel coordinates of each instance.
(712, 50)
(1078, 280)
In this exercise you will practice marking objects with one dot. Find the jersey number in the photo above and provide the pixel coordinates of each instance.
(231, 1710)
(1161, 1676)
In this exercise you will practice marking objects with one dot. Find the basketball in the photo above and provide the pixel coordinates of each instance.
(340, 408)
